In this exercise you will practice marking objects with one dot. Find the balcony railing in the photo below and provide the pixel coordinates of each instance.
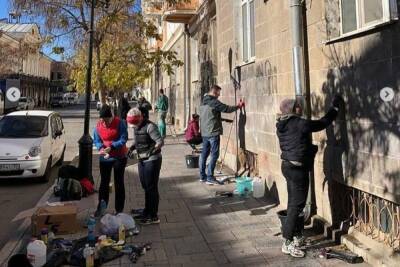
(181, 12)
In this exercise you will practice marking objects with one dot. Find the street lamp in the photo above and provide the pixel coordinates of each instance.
(86, 141)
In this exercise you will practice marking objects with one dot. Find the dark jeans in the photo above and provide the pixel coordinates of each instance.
(105, 172)
(149, 174)
(210, 146)
(297, 179)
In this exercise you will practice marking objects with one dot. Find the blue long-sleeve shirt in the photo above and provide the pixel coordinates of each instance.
(101, 135)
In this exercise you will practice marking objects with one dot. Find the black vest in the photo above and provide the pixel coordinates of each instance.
(144, 143)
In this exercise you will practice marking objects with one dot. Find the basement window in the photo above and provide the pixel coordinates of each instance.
(362, 15)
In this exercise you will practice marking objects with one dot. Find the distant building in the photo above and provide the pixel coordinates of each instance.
(24, 62)
(59, 78)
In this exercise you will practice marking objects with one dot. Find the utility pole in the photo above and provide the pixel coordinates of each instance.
(86, 141)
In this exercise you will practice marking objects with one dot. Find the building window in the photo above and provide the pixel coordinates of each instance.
(194, 60)
(248, 38)
(361, 15)
(214, 46)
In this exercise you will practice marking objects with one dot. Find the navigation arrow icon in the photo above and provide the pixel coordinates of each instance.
(387, 94)
(13, 94)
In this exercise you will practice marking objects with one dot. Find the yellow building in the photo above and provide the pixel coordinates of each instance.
(24, 61)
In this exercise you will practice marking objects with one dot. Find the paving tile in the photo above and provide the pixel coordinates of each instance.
(239, 254)
(189, 248)
(219, 246)
(210, 263)
(199, 229)
(219, 236)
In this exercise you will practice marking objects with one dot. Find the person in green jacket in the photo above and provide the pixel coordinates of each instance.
(162, 108)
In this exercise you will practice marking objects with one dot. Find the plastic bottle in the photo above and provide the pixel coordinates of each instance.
(96, 250)
(103, 205)
(88, 254)
(36, 252)
(91, 227)
(44, 235)
(50, 237)
(121, 233)
(258, 187)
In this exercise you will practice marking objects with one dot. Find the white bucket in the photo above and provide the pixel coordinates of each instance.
(258, 187)
(36, 253)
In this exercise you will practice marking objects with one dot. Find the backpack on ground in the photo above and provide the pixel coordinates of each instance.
(69, 171)
(71, 189)
(68, 186)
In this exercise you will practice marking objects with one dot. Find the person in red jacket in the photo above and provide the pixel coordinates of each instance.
(110, 137)
(192, 134)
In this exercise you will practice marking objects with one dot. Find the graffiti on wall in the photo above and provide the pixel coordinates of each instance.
(266, 78)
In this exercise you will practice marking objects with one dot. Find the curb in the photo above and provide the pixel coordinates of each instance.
(15, 244)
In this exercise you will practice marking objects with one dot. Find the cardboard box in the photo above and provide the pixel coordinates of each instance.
(62, 218)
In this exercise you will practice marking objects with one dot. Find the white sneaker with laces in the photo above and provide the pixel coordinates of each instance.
(288, 247)
(299, 241)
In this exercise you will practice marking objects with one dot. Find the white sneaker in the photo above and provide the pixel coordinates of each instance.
(289, 248)
(299, 241)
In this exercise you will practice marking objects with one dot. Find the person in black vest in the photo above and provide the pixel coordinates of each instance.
(298, 153)
(147, 142)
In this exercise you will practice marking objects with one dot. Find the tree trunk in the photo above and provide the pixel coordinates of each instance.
(99, 77)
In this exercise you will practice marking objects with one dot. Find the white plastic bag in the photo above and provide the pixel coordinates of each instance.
(126, 220)
(109, 224)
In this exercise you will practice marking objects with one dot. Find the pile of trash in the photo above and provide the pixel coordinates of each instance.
(92, 250)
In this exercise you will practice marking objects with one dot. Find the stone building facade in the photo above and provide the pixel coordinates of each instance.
(350, 48)
(21, 44)
(359, 157)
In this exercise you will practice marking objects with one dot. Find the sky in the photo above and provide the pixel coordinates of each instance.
(5, 8)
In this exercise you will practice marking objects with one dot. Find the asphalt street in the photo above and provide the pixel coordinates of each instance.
(19, 196)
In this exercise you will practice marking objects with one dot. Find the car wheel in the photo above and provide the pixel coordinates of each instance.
(47, 173)
(61, 160)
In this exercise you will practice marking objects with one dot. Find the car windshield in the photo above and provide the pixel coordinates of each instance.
(23, 127)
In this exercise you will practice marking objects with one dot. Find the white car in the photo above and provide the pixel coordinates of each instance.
(25, 103)
(31, 143)
(109, 101)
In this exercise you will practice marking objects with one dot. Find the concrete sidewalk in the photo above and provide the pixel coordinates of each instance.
(197, 228)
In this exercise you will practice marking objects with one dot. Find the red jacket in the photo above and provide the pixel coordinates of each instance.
(192, 130)
(114, 136)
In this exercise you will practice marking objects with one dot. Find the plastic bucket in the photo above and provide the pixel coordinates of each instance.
(244, 185)
(192, 161)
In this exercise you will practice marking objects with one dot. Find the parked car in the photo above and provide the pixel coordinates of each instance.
(31, 142)
(26, 103)
(57, 101)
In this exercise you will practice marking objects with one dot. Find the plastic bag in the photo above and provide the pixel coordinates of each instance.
(126, 220)
(109, 224)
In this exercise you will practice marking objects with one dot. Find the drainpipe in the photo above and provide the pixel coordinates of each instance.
(296, 7)
(297, 16)
(186, 91)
